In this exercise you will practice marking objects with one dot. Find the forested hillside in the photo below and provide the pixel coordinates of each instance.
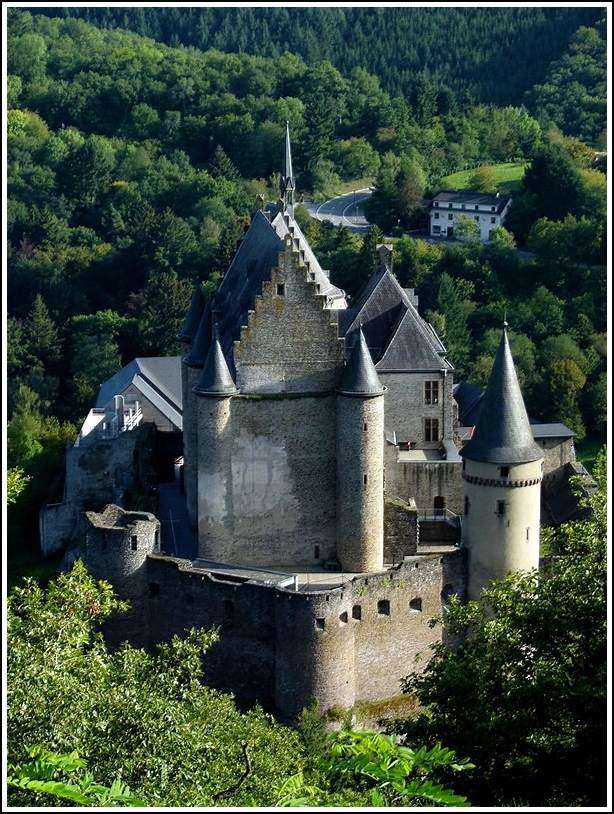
(493, 55)
(133, 168)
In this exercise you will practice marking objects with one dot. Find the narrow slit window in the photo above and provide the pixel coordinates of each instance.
(133, 542)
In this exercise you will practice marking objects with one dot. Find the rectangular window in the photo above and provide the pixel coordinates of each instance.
(492, 208)
(450, 217)
(383, 607)
(431, 392)
(431, 429)
(364, 479)
(476, 217)
(133, 542)
(493, 220)
(436, 230)
(466, 505)
(505, 471)
(436, 203)
(476, 207)
(449, 206)
(280, 289)
(462, 206)
(500, 507)
(436, 215)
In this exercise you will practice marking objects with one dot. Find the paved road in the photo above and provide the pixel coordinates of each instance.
(344, 210)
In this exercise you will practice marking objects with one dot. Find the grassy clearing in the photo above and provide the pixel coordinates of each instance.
(509, 177)
(586, 453)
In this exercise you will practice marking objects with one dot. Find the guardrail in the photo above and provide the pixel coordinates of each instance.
(439, 515)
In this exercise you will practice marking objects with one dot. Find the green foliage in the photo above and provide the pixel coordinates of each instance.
(15, 483)
(397, 775)
(39, 777)
(147, 721)
(524, 691)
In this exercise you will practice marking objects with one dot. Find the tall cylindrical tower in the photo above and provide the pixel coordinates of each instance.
(360, 463)
(191, 374)
(502, 473)
(214, 477)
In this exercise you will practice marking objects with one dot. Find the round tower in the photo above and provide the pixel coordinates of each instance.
(502, 473)
(360, 463)
(214, 477)
(191, 373)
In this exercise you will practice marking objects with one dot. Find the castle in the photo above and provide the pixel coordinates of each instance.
(332, 505)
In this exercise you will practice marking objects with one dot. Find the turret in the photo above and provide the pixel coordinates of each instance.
(360, 463)
(214, 477)
(191, 373)
(502, 473)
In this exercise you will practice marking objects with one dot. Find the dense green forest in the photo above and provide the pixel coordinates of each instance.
(490, 55)
(132, 171)
(134, 159)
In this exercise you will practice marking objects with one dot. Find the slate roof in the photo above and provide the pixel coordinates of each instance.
(157, 378)
(397, 336)
(359, 376)
(481, 199)
(216, 379)
(502, 433)
(251, 266)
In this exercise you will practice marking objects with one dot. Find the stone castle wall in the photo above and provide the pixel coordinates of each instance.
(281, 647)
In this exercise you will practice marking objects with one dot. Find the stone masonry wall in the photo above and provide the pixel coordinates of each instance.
(350, 643)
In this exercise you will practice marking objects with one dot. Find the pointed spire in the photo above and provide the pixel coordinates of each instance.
(201, 341)
(503, 432)
(286, 183)
(216, 379)
(195, 312)
(360, 377)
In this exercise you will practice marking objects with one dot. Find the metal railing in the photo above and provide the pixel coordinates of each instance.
(439, 515)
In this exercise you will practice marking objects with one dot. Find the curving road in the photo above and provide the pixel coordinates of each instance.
(345, 210)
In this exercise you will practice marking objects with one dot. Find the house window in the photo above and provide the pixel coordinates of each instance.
(500, 507)
(462, 206)
(450, 217)
(431, 429)
(476, 207)
(449, 206)
(436, 230)
(436, 215)
(431, 392)
(383, 607)
(280, 289)
(436, 203)
(492, 208)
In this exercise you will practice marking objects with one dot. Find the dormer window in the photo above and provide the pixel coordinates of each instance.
(476, 207)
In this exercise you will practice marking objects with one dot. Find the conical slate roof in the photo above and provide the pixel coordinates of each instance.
(195, 312)
(360, 377)
(503, 433)
(215, 380)
(200, 344)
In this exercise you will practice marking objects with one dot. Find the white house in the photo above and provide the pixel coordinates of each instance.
(487, 209)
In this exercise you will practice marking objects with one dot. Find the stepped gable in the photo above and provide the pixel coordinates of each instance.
(503, 433)
(284, 225)
(397, 336)
(251, 266)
